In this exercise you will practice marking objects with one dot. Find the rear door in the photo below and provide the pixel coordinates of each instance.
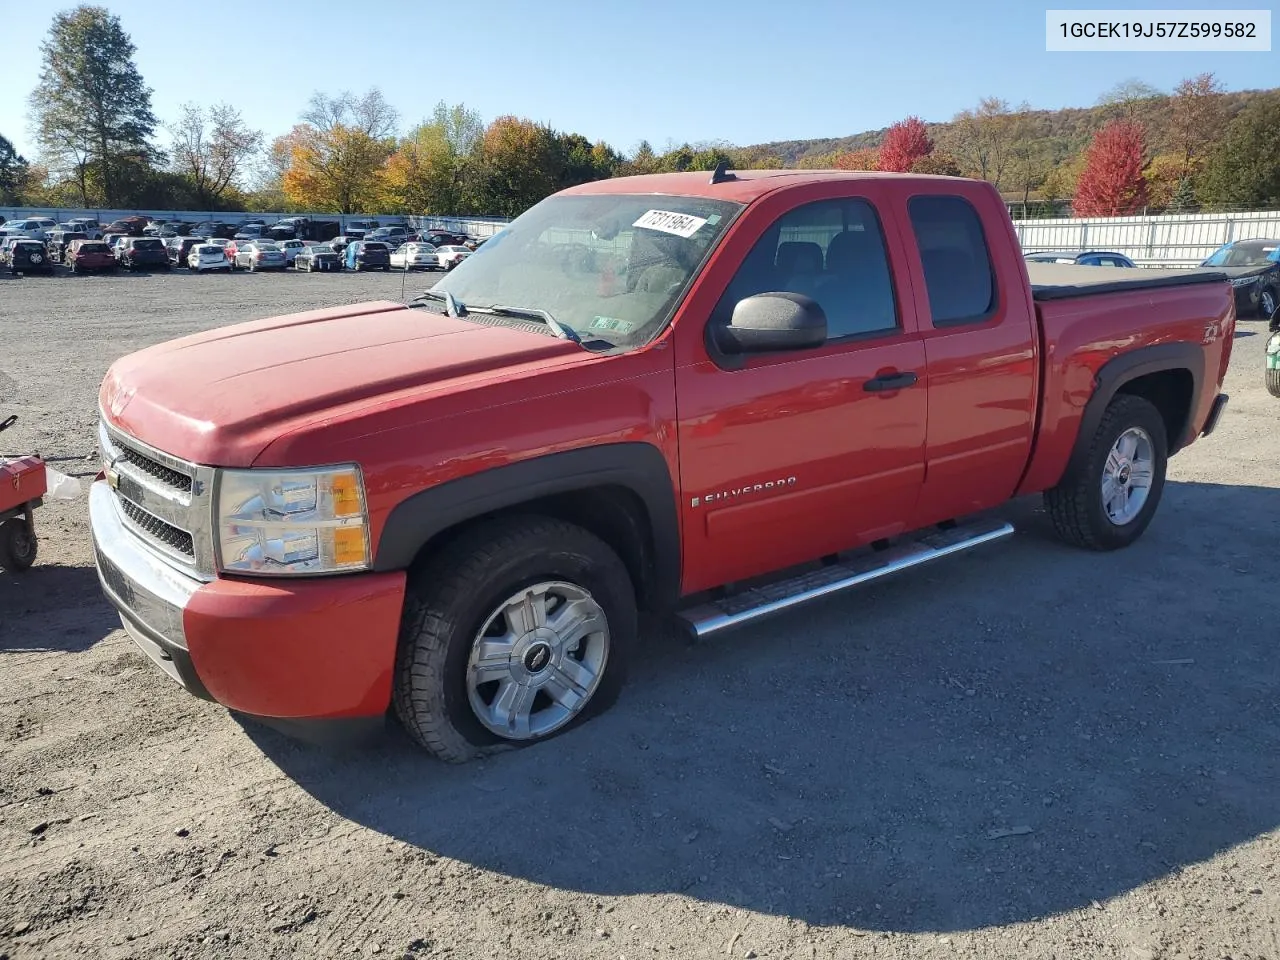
(977, 322)
(789, 456)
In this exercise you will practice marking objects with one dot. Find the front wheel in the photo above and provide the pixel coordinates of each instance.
(1267, 302)
(1109, 495)
(18, 545)
(519, 630)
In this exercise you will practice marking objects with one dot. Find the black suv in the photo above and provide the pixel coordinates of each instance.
(143, 252)
(29, 256)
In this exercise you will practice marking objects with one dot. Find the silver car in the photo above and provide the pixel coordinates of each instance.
(260, 255)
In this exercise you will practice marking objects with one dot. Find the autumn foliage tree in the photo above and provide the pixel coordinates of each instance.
(866, 159)
(1112, 184)
(905, 143)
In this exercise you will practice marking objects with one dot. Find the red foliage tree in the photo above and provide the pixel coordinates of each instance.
(1112, 184)
(866, 159)
(905, 143)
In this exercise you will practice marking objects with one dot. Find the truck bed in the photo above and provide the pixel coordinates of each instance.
(1061, 281)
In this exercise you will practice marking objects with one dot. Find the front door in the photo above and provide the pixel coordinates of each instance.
(786, 457)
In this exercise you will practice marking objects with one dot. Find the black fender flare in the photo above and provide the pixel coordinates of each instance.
(636, 466)
(1126, 367)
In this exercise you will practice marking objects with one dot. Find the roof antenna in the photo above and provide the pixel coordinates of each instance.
(721, 173)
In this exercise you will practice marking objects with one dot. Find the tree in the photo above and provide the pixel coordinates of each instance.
(1164, 176)
(1111, 184)
(866, 159)
(981, 139)
(211, 148)
(337, 153)
(642, 160)
(1199, 117)
(14, 171)
(906, 142)
(1125, 99)
(1244, 170)
(937, 163)
(91, 111)
(513, 167)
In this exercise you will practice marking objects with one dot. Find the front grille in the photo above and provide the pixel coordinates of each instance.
(159, 532)
(166, 475)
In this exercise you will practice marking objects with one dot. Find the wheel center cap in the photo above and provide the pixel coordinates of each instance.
(1124, 472)
(537, 656)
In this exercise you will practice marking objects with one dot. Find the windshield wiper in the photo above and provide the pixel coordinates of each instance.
(561, 330)
(452, 306)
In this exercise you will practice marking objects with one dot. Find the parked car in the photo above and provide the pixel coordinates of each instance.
(361, 226)
(442, 238)
(89, 256)
(317, 256)
(113, 240)
(415, 256)
(32, 228)
(213, 229)
(1254, 269)
(250, 231)
(367, 255)
(58, 241)
(28, 256)
(179, 248)
(135, 252)
(722, 457)
(86, 225)
(291, 249)
(1085, 258)
(129, 226)
(340, 242)
(203, 257)
(391, 236)
(450, 256)
(260, 255)
(231, 248)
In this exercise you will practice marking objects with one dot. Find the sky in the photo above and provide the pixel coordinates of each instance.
(742, 71)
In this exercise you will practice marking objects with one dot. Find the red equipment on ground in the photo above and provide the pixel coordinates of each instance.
(23, 484)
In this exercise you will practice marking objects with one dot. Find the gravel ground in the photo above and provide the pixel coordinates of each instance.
(1029, 752)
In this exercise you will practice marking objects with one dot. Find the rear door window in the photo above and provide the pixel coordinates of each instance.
(957, 263)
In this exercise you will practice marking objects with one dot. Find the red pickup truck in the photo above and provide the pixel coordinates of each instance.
(713, 397)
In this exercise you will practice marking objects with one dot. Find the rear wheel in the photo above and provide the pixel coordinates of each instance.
(515, 633)
(1107, 499)
(1267, 303)
(18, 546)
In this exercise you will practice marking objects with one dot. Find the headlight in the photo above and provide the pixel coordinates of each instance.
(292, 522)
(1244, 281)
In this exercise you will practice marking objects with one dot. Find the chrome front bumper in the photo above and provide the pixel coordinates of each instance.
(149, 594)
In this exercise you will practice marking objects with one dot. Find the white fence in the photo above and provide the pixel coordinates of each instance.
(1169, 240)
(471, 226)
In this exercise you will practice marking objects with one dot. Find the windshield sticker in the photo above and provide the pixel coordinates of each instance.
(611, 323)
(680, 224)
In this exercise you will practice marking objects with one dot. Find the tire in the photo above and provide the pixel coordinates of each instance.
(18, 546)
(1076, 505)
(452, 598)
(1273, 382)
(1267, 301)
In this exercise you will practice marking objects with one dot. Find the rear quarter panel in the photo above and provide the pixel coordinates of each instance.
(1081, 334)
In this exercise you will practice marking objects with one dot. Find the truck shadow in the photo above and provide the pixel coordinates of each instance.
(1012, 735)
(62, 606)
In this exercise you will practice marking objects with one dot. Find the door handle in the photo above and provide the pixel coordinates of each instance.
(890, 381)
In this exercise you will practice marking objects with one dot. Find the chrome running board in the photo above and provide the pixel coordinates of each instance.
(769, 599)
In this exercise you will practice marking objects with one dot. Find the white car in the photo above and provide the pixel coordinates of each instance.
(414, 256)
(449, 257)
(208, 256)
(291, 249)
(33, 228)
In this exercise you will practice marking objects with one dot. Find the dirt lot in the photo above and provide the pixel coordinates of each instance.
(1029, 752)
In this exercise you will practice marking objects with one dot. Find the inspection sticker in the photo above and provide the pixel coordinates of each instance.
(681, 224)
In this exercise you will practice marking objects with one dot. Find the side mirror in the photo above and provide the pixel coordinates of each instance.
(771, 322)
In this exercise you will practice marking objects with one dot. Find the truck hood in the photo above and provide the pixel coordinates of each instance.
(220, 397)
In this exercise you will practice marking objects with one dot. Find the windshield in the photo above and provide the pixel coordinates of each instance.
(322, 248)
(1244, 255)
(610, 266)
(93, 248)
(148, 245)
